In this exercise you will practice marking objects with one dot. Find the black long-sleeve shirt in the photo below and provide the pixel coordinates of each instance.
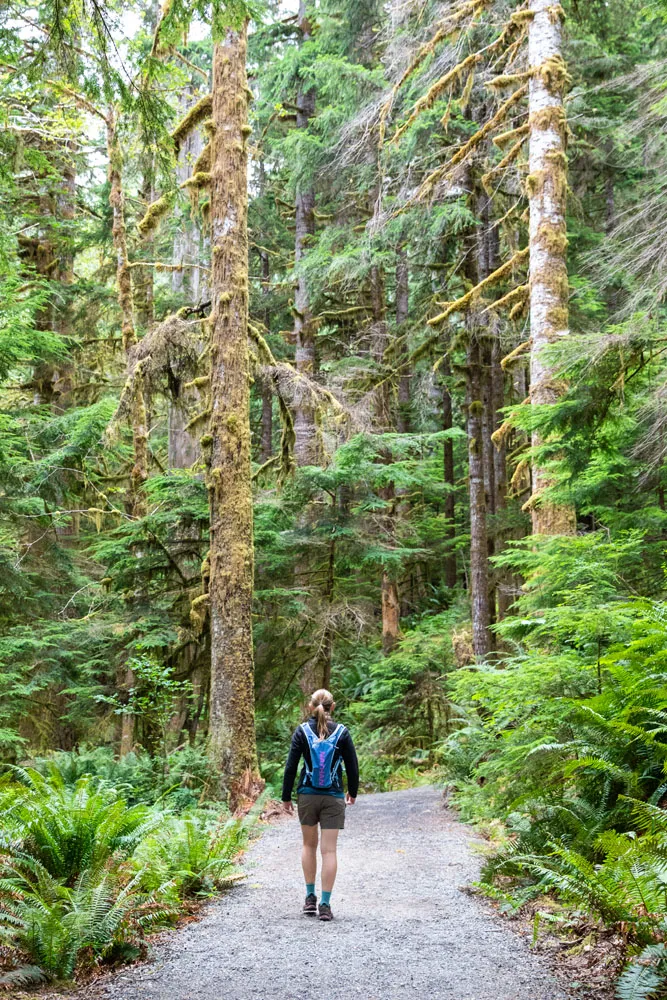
(300, 748)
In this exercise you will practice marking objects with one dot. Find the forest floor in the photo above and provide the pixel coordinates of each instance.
(403, 928)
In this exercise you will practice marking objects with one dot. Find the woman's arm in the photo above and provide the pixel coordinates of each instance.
(291, 767)
(349, 755)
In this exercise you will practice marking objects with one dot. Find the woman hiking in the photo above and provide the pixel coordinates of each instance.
(325, 746)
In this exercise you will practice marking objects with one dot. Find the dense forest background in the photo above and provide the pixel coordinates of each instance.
(431, 374)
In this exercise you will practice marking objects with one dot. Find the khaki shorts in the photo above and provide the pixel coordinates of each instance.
(327, 810)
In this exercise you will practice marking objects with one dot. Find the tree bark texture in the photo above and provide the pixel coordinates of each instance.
(266, 429)
(139, 417)
(450, 483)
(306, 446)
(479, 555)
(402, 310)
(232, 719)
(547, 192)
(184, 447)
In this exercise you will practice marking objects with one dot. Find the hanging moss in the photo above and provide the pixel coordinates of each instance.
(518, 294)
(203, 161)
(521, 477)
(198, 113)
(556, 13)
(433, 93)
(513, 133)
(554, 74)
(198, 419)
(507, 80)
(522, 17)
(199, 612)
(552, 237)
(506, 161)
(199, 180)
(553, 117)
(536, 182)
(438, 174)
(515, 354)
(467, 10)
(155, 211)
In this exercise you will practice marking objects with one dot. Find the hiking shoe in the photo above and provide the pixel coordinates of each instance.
(325, 912)
(310, 906)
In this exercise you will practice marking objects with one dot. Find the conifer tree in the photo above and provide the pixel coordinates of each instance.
(547, 191)
(232, 719)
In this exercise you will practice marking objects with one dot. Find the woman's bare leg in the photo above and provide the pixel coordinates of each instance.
(309, 852)
(329, 859)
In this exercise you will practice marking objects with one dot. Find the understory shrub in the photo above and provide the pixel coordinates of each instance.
(84, 875)
(566, 743)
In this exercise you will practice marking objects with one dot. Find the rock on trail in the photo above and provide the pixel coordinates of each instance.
(402, 929)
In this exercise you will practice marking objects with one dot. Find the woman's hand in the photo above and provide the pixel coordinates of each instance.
(348, 798)
(288, 807)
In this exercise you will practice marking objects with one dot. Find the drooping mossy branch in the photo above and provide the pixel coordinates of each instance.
(162, 266)
(428, 99)
(508, 79)
(436, 175)
(513, 133)
(461, 304)
(197, 114)
(155, 211)
(199, 180)
(508, 159)
(203, 161)
(517, 295)
(446, 27)
(515, 354)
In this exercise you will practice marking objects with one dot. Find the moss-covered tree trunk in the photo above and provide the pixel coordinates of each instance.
(232, 712)
(306, 450)
(139, 419)
(479, 264)
(547, 191)
(139, 473)
(450, 483)
(266, 424)
(479, 555)
(403, 421)
(184, 448)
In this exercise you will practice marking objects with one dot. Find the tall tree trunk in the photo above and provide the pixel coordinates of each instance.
(183, 447)
(402, 312)
(547, 190)
(382, 420)
(139, 473)
(448, 470)
(479, 554)
(266, 430)
(139, 418)
(478, 267)
(232, 711)
(306, 450)
(503, 585)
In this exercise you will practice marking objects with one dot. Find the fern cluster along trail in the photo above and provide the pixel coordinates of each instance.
(403, 928)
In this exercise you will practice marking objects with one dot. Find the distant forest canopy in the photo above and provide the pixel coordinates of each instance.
(333, 353)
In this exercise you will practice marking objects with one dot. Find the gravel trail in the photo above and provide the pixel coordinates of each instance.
(402, 927)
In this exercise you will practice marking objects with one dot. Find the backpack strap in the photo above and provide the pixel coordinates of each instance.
(310, 737)
(337, 733)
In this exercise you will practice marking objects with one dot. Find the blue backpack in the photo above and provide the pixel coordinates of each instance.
(321, 773)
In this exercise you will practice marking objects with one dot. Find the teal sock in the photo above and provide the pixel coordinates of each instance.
(326, 898)
(310, 888)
